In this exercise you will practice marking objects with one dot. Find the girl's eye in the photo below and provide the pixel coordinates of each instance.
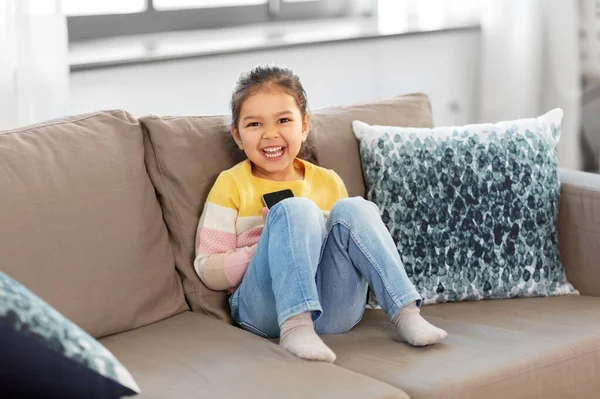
(284, 120)
(252, 124)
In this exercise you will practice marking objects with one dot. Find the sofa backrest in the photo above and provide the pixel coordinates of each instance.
(80, 224)
(184, 156)
(335, 145)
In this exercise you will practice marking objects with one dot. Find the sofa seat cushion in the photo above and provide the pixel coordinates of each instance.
(515, 348)
(193, 355)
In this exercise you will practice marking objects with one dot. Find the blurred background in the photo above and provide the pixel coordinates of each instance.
(478, 60)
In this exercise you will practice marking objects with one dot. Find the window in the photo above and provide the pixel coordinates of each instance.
(83, 7)
(183, 4)
(397, 15)
(94, 19)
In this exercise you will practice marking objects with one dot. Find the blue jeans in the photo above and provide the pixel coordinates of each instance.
(303, 264)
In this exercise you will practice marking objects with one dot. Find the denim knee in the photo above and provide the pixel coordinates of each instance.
(297, 207)
(355, 208)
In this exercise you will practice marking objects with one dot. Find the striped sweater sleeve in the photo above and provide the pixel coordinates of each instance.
(219, 263)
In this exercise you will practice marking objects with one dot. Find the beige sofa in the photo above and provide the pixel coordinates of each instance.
(98, 215)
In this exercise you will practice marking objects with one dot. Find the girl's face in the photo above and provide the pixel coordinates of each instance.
(271, 131)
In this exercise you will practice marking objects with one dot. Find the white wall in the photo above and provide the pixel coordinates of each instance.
(443, 65)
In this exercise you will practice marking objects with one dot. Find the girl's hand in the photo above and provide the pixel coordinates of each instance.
(265, 212)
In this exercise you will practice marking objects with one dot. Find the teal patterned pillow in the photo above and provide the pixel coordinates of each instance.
(472, 209)
(43, 354)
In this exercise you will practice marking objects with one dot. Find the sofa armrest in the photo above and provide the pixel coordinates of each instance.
(579, 229)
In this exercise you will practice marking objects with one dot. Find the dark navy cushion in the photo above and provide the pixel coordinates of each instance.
(43, 354)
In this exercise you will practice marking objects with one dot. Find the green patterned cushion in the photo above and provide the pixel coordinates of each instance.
(43, 354)
(472, 209)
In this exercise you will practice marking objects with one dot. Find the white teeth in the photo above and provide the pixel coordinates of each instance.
(273, 152)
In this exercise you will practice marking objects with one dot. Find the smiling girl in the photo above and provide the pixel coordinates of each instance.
(303, 268)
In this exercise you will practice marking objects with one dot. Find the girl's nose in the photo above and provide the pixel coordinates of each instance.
(271, 133)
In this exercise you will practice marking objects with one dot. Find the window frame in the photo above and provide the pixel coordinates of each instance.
(92, 27)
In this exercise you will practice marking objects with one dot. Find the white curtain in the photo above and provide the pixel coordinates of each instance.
(530, 64)
(589, 14)
(34, 71)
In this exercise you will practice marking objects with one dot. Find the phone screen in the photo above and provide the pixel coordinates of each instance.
(270, 199)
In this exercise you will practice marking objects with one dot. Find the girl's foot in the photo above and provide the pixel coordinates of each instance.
(414, 329)
(298, 336)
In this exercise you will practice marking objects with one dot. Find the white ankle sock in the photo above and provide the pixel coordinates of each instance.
(414, 329)
(298, 336)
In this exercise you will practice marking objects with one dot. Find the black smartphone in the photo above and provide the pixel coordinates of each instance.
(270, 199)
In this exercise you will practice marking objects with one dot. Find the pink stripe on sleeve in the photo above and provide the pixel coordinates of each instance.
(237, 263)
(210, 241)
(249, 237)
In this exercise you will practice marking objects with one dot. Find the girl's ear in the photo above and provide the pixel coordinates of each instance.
(237, 138)
(305, 127)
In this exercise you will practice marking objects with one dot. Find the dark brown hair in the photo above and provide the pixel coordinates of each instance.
(270, 77)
